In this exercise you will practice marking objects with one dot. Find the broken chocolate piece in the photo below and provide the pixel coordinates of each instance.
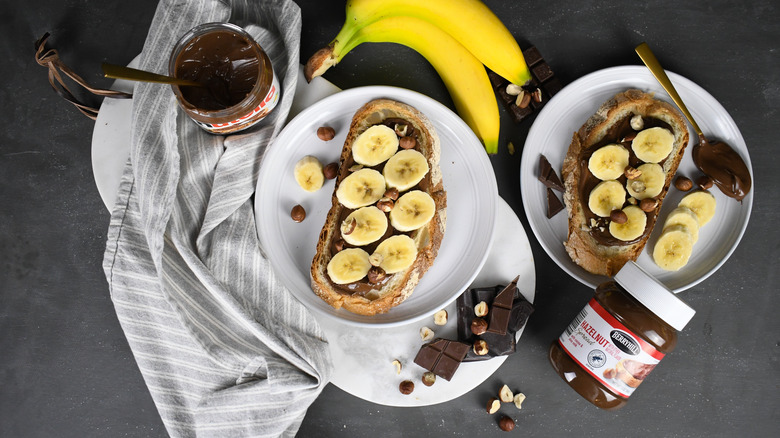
(542, 77)
(442, 357)
(554, 205)
(501, 309)
(548, 176)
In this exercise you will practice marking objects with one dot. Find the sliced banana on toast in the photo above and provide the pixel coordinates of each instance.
(412, 210)
(348, 265)
(608, 162)
(632, 228)
(652, 145)
(375, 145)
(361, 188)
(363, 226)
(605, 197)
(396, 253)
(405, 169)
(649, 184)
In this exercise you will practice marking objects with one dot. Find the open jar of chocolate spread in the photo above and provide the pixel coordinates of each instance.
(240, 87)
(619, 337)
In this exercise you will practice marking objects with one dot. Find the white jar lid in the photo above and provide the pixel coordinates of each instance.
(654, 295)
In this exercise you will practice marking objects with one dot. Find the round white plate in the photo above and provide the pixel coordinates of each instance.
(363, 357)
(552, 132)
(472, 202)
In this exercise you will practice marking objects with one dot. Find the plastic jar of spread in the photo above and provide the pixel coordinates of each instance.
(240, 87)
(619, 337)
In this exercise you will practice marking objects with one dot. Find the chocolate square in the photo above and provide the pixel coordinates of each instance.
(542, 72)
(554, 205)
(501, 309)
(547, 175)
(442, 357)
(532, 56)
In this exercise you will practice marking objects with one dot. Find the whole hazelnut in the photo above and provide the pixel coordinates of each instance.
(481, 347)
(704, 181)
(479, 326)
(298, 214)
(330, 170)
(428, 378)
(618, 216)
(506, 424)
(376, 274)
(385, 204)
(648, 204)
(326, 133)
(391, 193)
(609, 373)
(683, 183)
(407, 142)
(406, 387)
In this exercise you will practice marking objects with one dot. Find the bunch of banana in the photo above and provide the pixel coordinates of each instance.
(681, 230)
(456, 36)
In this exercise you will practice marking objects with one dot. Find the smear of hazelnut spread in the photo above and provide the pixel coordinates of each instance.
(726, 168)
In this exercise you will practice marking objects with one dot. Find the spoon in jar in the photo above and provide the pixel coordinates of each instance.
(132, 74)
(715, 158)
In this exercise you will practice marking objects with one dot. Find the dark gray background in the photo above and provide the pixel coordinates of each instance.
(66, 369)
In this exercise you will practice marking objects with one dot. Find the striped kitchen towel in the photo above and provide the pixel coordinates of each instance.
(223, 347)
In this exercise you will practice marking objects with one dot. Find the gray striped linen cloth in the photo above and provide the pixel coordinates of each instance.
(223, 347)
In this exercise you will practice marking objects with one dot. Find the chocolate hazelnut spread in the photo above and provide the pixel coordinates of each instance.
(626, 328)
(724, 165)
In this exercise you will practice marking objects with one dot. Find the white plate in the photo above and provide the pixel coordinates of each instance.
(551, 134)
(472, 202)
(363, 357)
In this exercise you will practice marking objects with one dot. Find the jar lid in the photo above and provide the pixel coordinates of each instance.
(654, 295)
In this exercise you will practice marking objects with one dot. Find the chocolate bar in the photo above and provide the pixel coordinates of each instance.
(501, 309)
(442, 357)
(542, 78)
(548, 176)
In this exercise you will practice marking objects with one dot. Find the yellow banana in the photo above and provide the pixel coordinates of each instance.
(463, 75)
(470, 22)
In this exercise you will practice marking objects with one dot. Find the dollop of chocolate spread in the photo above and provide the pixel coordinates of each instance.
(225, 62)
(724, 165)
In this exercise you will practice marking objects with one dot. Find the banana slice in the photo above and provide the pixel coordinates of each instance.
(653, 145)
(673, 248)
(412, 210)
(685, 217)
(370, 225)
(405, 169)
(608, 162)
(702, 203)
(649, 184)
(348, 266)
(605, 197)
(397, 253)
(308, 173)
(375, 145)
(632, 228)
(361, 188)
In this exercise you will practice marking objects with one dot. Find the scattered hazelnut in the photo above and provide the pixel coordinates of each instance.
(506, 424)
(493, 405)
(481, 309)
(629, 137)
(391, 193)
(347, 227)
(298, 214)
(637, 124)
(505, 394)
(428, 378)
(375, 259)
(618, 216)
(648, 204)
(480, 347)
(330, 170)
(385, 204)
(407, 142)
(376, 274)
(704, 181)
(683, 183)
(513, 89)
(632, 173)
(355, 167)
(593, 223)
(406, 387)
(397, 364)
(326, 133)
(400, 129)
(339, 245)
(478, 326)
(440, 317)
(537, 95)
(426, 334)
(523, 99)
(609, 373)
(519, 399)
(638, 186)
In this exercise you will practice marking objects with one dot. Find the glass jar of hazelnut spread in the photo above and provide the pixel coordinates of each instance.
(619, 337)
(240, 87)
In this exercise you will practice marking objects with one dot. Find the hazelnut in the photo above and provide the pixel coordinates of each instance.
(339, 244)
(609, 373)
(648, 204)
(355, 167)
(298, 214)
(376, 274)
(478, 326)
(375, 259)
(523, 100)
(397, 365)
(407, 142)
(440, 317)
(400, 129)
(481, 309)
(506, 424)
(704, 181)
(518, 400)
(428, 378)
(537, 95)
(481, 347)
(632, 200)
(638, 186)
(385, 204)
(513, 89)
(505, 394)
(629, 137)
(406, 387)
(683, 183)
(347, 227)
(637, 123)
(632, 173)
(426, 334)
(391, 193)
(618, 216)
(330, 170)
(326, 133)
(493, 405)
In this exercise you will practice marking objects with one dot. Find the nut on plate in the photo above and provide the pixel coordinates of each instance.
(505, 394)
(406, 387)
(330, 170)
(506, 424)
(428, 378)
(440, 317)
(480, 347)
(326, 133)
(376, 274)
(683, 183)
(493, 405)
(397, 365)
(518, 400)
(426, 334)
(478, 326)
(400, 129)
(298, 213)
(481, 309)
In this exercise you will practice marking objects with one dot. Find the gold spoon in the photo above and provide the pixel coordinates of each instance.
(132, 74)
(715, 158)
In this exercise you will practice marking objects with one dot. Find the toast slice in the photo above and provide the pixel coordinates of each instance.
(589, 242)
(364, 296)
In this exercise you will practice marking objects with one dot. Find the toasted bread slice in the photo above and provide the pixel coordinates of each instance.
(381, 297)
(587, 244)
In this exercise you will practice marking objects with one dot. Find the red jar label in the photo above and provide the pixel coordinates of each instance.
(609, 351)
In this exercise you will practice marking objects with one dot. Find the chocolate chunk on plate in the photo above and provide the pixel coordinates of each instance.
(554, 205)
(548, 176)
(442, 357)
(501, 309)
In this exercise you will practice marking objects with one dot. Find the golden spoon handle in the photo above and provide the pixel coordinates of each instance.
(132, 74)
(647, 56)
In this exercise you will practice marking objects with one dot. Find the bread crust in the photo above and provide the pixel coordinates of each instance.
(428, 238)
(581, 246)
